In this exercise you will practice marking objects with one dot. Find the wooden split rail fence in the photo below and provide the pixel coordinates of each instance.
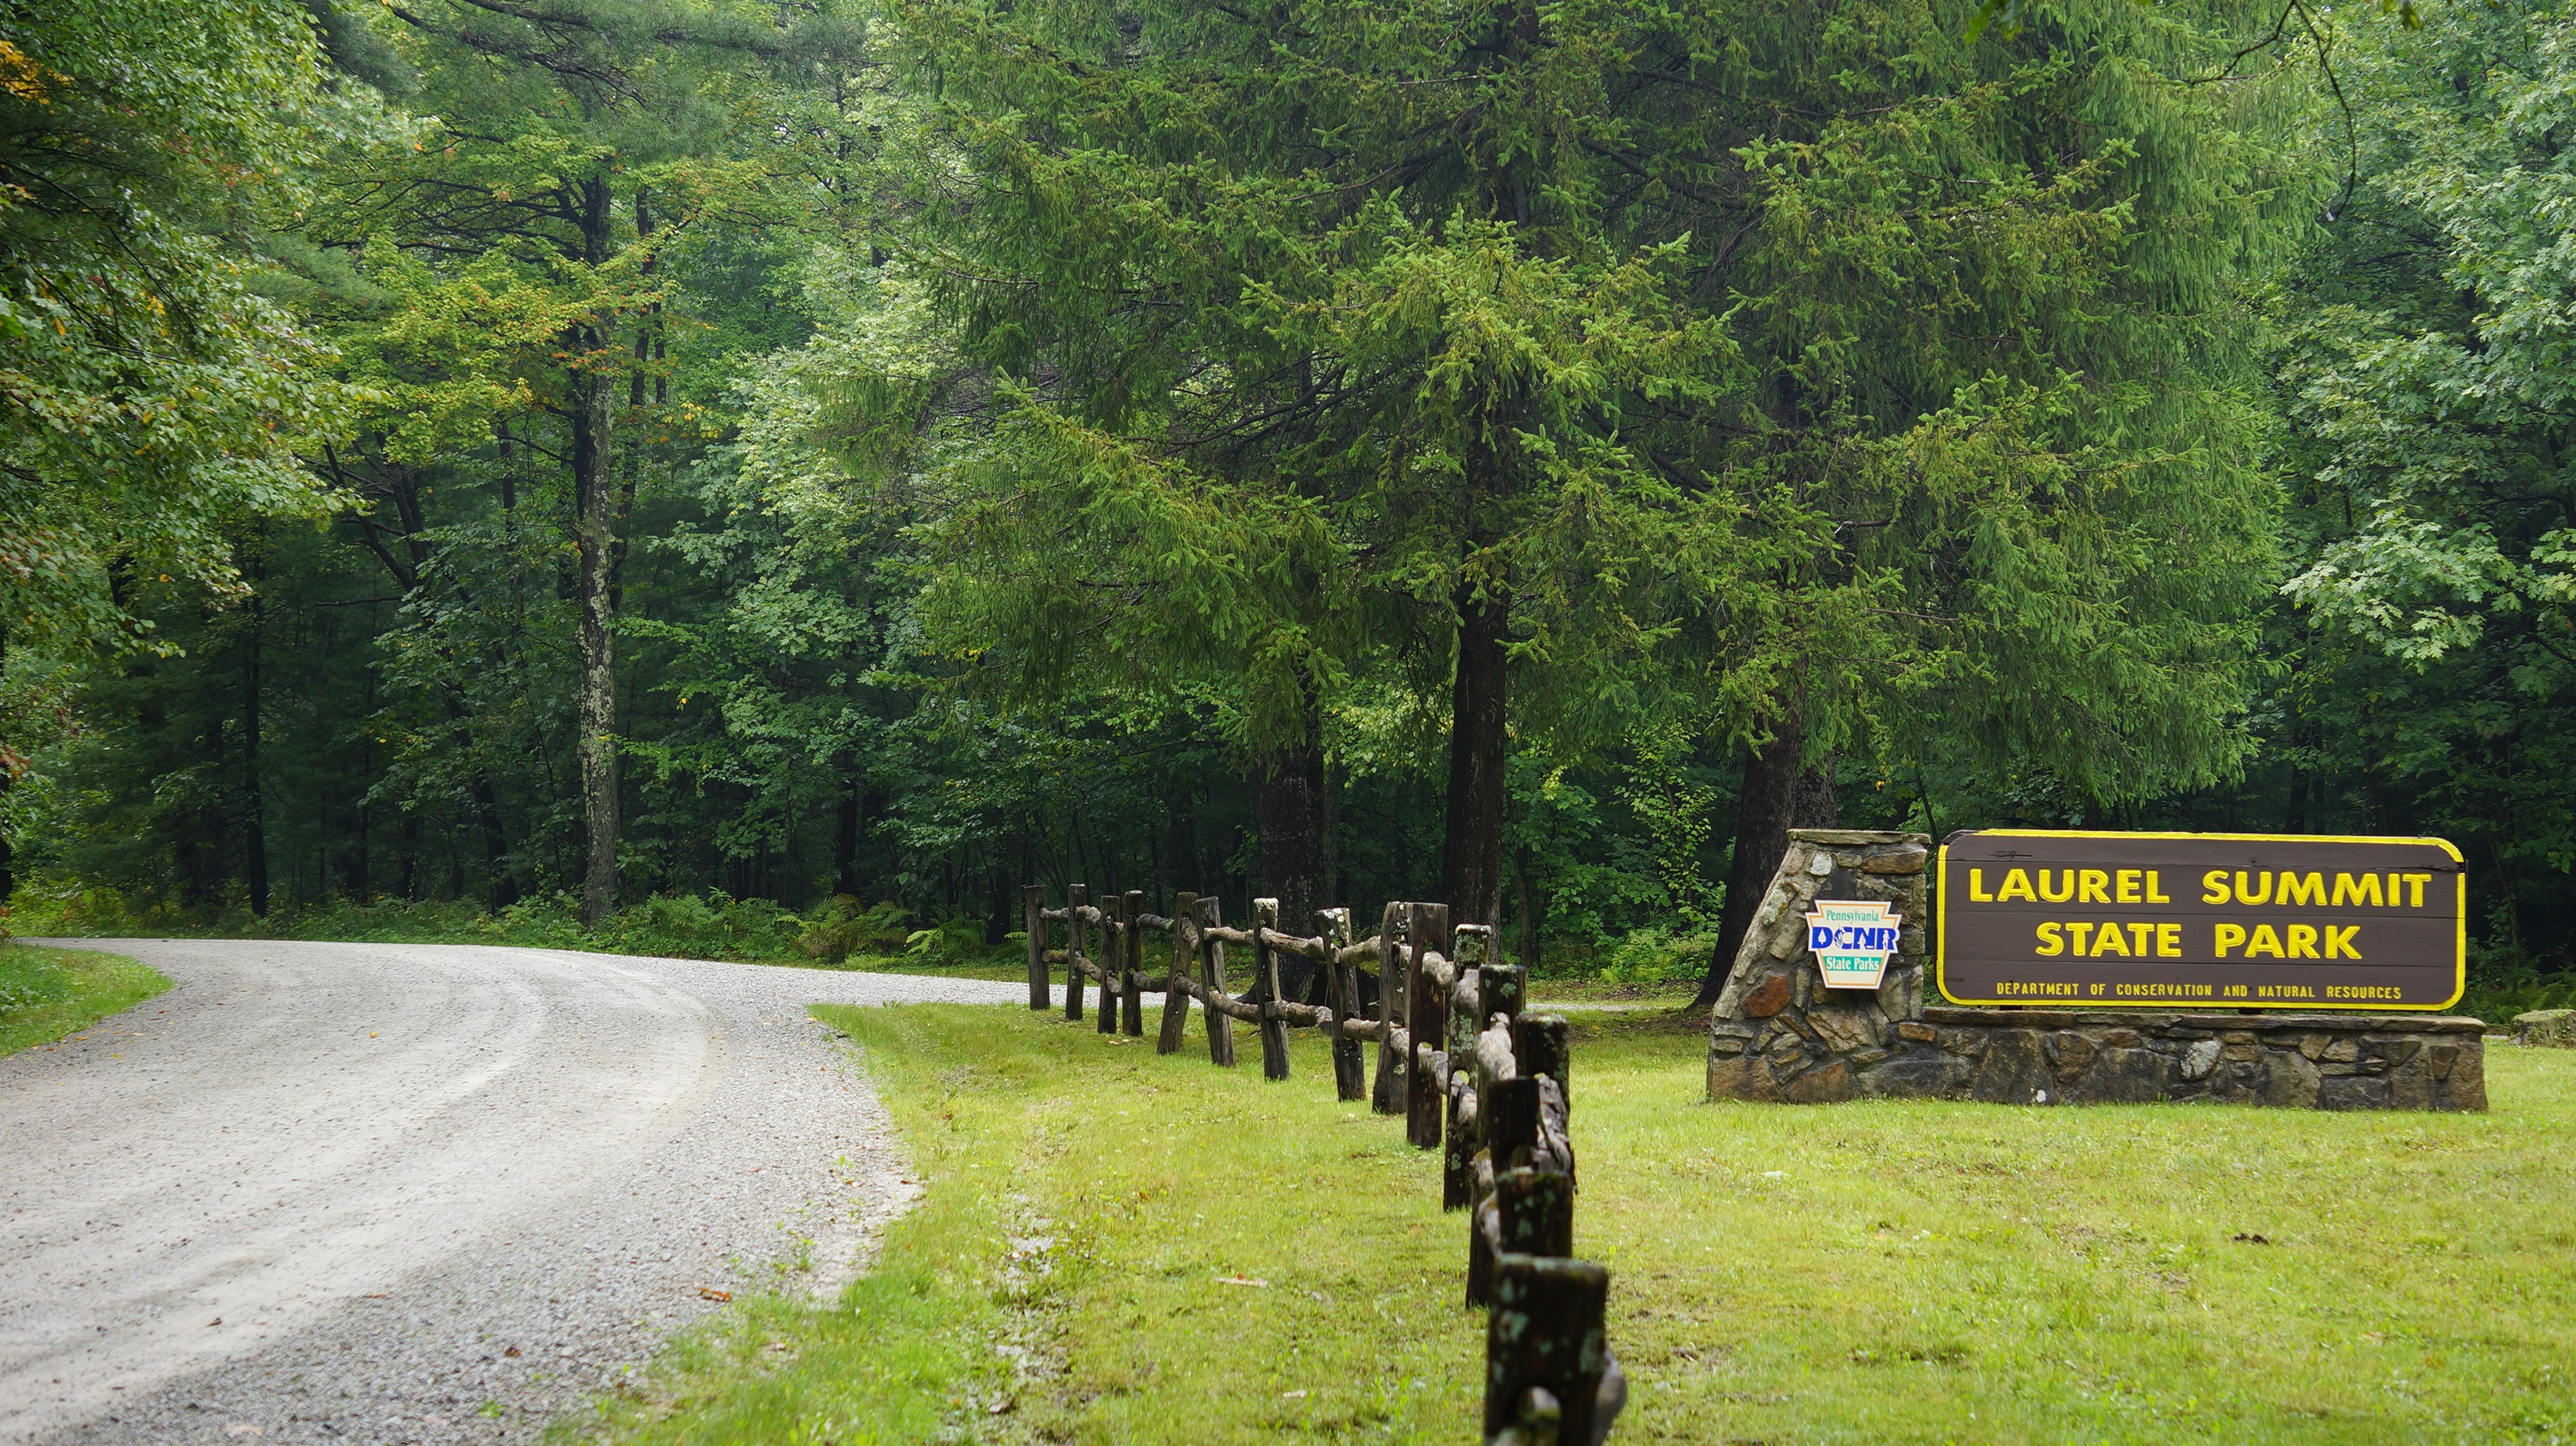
(1473, 1072)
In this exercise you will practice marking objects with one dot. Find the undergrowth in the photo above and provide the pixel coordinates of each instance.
(840, 932)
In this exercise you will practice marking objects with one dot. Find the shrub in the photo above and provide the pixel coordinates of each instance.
(1655, 955)
(841, 926)
(955, 941)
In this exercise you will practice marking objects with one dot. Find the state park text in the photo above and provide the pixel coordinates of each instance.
(2224, 920)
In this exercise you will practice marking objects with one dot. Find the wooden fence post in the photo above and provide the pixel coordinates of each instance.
(1545, 1353)
(1033, 909)
(1131, 1004)
(1542, 1044)
(1505, 991)
(1074, 898)
(1530, 1211)
(1350, 1070)
(1536, 1211)
(1474, 943)
(1426, 1082)
(1113, 950)
(1388, 1098)
(1220, 1024)
(1265, 991)
(1509, 1110)
(1176, 986)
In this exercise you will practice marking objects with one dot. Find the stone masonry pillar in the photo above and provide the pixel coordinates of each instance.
(1778, 1033)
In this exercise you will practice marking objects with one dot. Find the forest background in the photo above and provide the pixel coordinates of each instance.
(785, 474)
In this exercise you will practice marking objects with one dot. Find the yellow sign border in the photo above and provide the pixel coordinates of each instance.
(1941, 921)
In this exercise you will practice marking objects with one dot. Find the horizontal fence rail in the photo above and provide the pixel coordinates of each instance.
(1474, 1074)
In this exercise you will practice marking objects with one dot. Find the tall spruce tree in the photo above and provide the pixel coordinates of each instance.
(1767, 364)
(521, 236)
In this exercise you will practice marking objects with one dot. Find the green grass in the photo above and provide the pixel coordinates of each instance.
(46, 994)
(1908, 1271)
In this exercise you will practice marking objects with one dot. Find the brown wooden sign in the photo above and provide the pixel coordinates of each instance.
(2201, 921)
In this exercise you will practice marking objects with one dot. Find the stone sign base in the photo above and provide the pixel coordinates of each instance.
(1779, 1034)
(2069, 1057)
(2304, 1061)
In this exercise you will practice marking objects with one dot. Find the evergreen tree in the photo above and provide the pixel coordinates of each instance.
(522, 238)
(1770, 366)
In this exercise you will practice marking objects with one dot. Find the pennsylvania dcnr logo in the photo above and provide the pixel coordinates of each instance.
(1851, 941)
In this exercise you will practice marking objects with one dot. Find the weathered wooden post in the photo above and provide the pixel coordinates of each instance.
(1265, 990)
(1546, 1354)
(1504, 990)
(1388, 1098)
(1426, 991)
(1220, 1024)
(1075, 897)
(1033, 909)
(1350, 1069)
(1131, 999)
(1543, 1044)
(1176, 987)
(1536, 1211)
(1474, 943)
(1530, 1211)
(1113, 950)
(1511, 1111)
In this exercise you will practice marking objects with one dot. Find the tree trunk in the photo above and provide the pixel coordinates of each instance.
(1779, 795)
(595, 538)
(1529, 909)
(1471, 876)
(407, 880)
(1288, 808)
(8, 779)
(254, 803)
(845, 843)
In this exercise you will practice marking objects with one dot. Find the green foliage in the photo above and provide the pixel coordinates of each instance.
(1013, 428)
(150, 399)
(842, 926)
(2424, 378)
(1656, 955)
(708, 926)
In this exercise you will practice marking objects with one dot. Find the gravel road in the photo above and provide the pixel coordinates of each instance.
(432, 1193)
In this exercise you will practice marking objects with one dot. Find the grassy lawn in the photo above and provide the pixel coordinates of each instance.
(48, 993)
(1078, 1269)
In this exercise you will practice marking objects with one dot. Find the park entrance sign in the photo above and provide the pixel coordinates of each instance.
(2200, 920)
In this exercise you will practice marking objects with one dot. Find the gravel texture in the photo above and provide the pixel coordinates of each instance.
(396, 1193)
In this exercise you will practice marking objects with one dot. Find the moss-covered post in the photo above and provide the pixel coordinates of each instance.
(1113, 950)
(1265, 990)
(1504, 990)
(1544, 1044)
(1075, 897)
(1033, 913)
(1176, 987)
(1545, 1350)
(1131, 1003)
(1427, 995)
(1529, 1212)
(1220, 1024)
(1350, 1068)
(1474, 943)
(1388, 1097)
